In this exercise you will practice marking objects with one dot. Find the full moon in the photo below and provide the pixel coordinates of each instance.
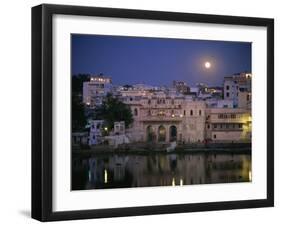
(207, 65)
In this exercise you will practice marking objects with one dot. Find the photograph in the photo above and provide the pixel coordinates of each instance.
(151, 111)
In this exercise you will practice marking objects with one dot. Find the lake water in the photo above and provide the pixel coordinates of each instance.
(123, 171)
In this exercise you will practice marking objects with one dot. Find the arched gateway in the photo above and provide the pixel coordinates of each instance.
(150, 136)
(173, 133)
(161, 134)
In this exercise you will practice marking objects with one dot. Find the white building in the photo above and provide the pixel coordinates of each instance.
(95, 136)
(95, 90)
(228, 125)
(235, 84)
(219, 103)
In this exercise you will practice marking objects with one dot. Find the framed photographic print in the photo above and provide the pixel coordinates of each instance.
(145, 112)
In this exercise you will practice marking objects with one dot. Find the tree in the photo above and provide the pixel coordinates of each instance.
(78, 117)
(77, 82)
(113, 110)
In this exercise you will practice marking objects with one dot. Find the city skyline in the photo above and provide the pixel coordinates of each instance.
(159, 61)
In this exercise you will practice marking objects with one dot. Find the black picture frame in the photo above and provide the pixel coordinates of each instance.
(42, 111)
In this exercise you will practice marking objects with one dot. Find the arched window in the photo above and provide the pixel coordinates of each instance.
(149, 134)
(136, 112)
(173, 133)
(161, 134)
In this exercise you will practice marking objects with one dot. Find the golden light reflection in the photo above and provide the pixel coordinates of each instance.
(173, 182)
(105, 176)
(250, 175)
(181, 182)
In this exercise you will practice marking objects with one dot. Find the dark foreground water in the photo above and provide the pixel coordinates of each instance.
(123, 171)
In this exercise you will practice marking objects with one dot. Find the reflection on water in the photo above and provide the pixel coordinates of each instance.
(122, 171)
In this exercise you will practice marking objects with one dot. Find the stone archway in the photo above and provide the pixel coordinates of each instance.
(150, 136)
(161, 133)
(173, 133)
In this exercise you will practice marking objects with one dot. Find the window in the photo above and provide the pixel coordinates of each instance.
(215, 136)
(227, 94)
(183, 112)
(136, 111)
(220, 116)
(149, 101)
(240, 126)
(227, 87)
(200, 112)
(208, 126)
(172, 101)
(191, 112)
(232, 116)
(215, 126)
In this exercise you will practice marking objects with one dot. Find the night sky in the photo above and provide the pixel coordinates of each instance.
(158, 61)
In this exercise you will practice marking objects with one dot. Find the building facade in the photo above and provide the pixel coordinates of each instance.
(162, 118)
(228, 125)
(235, 85)
(164, 115)
(95, 135)
(95, 90)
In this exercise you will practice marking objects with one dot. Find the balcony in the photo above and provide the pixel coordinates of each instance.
(226, 120)
(156, 118)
